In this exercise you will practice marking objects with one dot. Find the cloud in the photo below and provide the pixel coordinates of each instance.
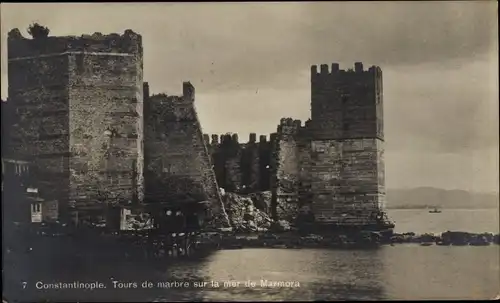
(235, 45)
(402, 33)
(442, 109)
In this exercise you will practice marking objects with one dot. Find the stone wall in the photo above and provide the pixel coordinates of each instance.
(232, 152)
(106, 127)
(250, 166)
(346, 104)
(169, 154)
(306, 164)
(241, 167)
(69, 93)
(287, 169)
(38, 93)
(178, 166)
(346, 161)
(345, 182)
(265, 162)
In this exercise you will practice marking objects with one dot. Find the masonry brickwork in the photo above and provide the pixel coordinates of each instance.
(332, 165)
(347, 180)
(178, 164)
(79, 102)
(241, 167)
(83, 115)
(287, 168)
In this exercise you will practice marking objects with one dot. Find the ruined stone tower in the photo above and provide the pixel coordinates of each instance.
(178, 167)
(174, 148)
(79, 101)
(346, 168)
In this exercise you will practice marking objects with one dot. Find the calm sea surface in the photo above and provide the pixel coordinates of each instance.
(392, 272)
(421, 221)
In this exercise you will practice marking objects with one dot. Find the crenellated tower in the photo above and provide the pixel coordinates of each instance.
(346, 104)
(347, 182)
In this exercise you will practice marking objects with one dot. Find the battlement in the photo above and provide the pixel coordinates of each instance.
(229, 138)
(206, 139)
(335, 70)
(20, 47)
(290, 122)
(273, 138)
(215, 140)
(289, 126)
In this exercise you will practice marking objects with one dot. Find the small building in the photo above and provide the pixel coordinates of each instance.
(46, 211)
(17, 177)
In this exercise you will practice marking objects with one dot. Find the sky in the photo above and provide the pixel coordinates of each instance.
(250, 65)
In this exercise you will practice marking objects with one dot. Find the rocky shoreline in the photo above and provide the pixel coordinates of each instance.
(252, 226)
(361, 240)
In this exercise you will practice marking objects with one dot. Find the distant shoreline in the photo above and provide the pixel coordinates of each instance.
(428, 197)
(440, 208)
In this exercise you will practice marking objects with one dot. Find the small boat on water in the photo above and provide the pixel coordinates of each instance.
(435, 211)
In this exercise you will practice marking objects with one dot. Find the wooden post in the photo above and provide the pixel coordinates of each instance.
(187, 245)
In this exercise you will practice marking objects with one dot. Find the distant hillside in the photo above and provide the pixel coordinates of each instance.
(423, 197)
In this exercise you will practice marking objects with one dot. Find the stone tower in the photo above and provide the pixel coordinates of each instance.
(178, 168)
(347, 149)
(80, 107)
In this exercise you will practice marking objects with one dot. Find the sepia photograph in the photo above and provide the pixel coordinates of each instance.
(250, 151)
